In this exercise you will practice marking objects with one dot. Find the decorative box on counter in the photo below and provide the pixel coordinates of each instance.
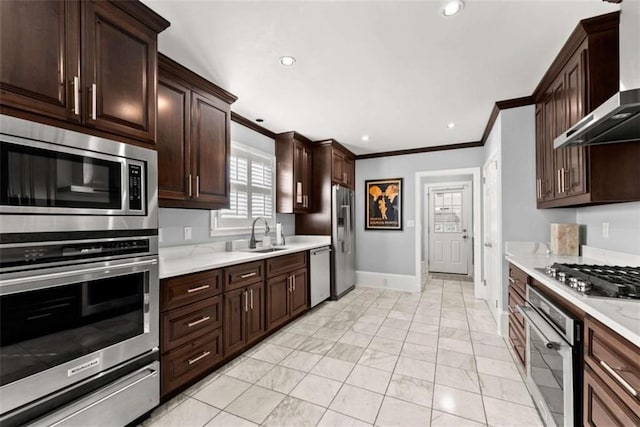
(565, 239)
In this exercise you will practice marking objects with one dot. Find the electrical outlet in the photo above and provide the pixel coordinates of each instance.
(605, 230)
(187, 233)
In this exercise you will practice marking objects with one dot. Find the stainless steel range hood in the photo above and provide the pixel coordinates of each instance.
(617, 120)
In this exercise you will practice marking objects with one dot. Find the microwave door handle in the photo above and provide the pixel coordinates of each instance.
(73, 273)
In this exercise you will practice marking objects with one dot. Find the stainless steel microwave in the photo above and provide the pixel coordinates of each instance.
(53, 179)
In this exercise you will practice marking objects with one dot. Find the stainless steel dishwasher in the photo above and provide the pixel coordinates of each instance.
(320, 275)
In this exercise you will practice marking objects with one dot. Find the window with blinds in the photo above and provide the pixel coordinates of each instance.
(252, 193)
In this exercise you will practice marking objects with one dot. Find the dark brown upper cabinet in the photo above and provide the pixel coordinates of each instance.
(342, 167)
(193, 139)
(89, 66)
(294, 171)
(584, 75)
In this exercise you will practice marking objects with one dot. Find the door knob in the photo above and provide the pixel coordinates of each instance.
(465, 237)
(488, 245)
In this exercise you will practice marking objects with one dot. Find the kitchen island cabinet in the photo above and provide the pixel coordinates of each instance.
(91, 66)
(611, 363)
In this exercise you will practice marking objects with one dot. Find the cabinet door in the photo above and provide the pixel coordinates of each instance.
(550, 181)
(255, 315)
(300, 183)
(307, 173)
(575, 157)
(174, 168)
(119, 57)
(337, 167)
(235, 315)
(601, 405)
(350, 173)
(40, 48)
(299, 292)
(278, 290)
(210, 123)
(556, 127)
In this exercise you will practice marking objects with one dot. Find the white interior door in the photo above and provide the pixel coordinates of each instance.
(450, 229)
(490, 214)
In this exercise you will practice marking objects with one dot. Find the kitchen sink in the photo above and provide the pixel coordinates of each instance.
(264, 250)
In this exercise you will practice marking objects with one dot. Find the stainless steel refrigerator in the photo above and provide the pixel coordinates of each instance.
(343, 240)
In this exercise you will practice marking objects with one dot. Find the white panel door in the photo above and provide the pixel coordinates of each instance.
(449, 229)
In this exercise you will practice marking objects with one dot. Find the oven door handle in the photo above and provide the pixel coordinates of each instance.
(538, 323)
(74, 273)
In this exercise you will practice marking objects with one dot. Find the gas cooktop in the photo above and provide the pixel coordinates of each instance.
(598, 280)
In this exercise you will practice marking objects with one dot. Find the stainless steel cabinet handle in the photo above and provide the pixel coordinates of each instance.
(244, 276)
(511, 280)
(293, 279)
(559, 186)
(562, 178)
(94, 101)
(199, 288)
(197, 322)
(197, 186)
(76, 95)
(290, 283)
(618, 378)
(202, 356)
(189, 185)
(251, 297)
(246, 301)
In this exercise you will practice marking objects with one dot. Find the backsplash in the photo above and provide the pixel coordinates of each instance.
(624, 226)
(173, 221)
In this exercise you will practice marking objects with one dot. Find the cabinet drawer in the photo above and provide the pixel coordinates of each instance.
(286, 263)
(516, 299)
(614, 360)
(191, 360)
(182, 290)
(183, 324)
(239, 276)
(601, 405)
(518, 279)
(517, 338)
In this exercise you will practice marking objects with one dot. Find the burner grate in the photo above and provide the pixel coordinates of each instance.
(613, 281)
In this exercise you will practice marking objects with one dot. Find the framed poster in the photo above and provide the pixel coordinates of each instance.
(384, 204)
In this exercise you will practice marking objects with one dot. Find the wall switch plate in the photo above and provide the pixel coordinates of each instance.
(605, 230)
(187, 233)
(411, 223)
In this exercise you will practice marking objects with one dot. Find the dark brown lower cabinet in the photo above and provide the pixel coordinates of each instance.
(243, 317)
(189, 361)
(518, 282)
(602, 407)
(286, 297)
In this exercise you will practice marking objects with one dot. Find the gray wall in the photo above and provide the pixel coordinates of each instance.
(393, 252)
(624, 226)
(173, 221)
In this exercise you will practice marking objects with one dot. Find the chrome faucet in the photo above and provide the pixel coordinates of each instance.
(253, 241)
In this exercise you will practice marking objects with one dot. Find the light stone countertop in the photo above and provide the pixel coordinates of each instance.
(622, 316)
(179, 260)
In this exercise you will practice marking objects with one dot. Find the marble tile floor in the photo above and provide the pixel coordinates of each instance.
(375, 357)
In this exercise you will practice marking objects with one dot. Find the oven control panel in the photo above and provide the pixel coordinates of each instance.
(57, 252)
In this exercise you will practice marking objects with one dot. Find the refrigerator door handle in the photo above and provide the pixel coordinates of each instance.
(348, 228)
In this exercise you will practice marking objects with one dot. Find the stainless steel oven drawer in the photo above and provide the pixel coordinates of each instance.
(117, 403)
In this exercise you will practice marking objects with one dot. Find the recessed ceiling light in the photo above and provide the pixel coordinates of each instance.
(451, 125)
(287, 61)
(452, 7)
(259, 120)
(365, 138)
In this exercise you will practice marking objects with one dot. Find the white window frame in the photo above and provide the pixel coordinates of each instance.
(230, 227)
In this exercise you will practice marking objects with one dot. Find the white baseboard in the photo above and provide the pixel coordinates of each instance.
(399, 282)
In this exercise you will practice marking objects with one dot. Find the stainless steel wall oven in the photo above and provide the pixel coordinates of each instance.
(554, 360)
(78, 278)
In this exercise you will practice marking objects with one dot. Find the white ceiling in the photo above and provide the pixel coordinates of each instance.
(397, 71)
